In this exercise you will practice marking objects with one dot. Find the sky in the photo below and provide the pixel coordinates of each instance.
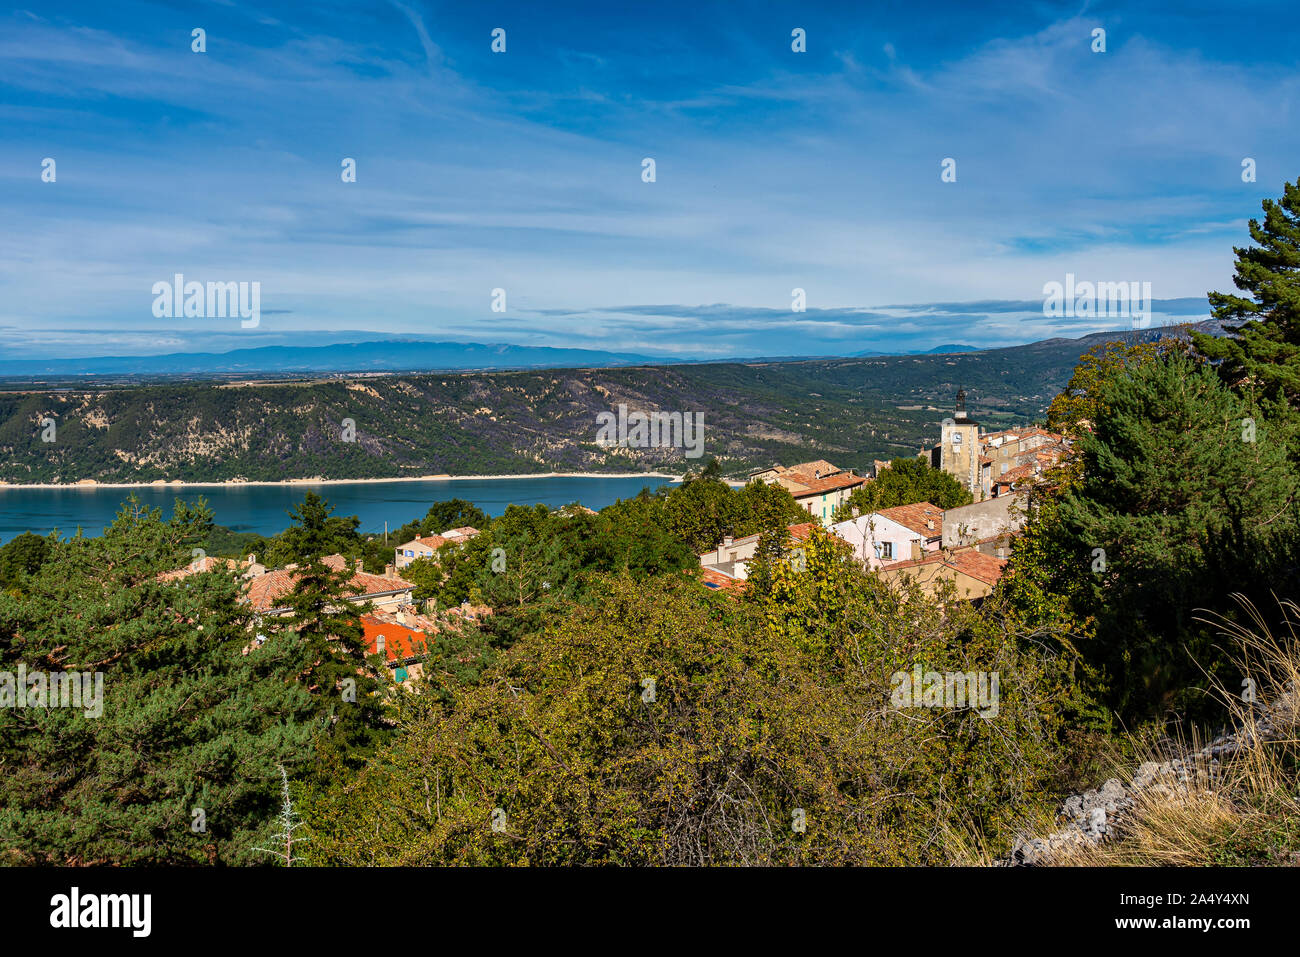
(522, 170)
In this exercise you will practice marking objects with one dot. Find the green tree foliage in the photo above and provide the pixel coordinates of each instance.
(327, 631)
(1180, 502)
(315, 532)
(906, 482)
(669, 725)
(189, 721)
(1079, 403)
(703, 509)
(532, 562)
(1262, 352)
(453, 513)
(23, 556)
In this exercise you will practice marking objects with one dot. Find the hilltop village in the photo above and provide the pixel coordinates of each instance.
(967, 545)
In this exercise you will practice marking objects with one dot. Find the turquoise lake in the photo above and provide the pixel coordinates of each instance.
(262, 508)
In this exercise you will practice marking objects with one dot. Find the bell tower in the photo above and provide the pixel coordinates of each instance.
(959, 452)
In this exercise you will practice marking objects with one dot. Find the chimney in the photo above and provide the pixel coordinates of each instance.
(359, 563)
(401, 616)
(817, 473)
(929, 523)
(379, 644)
(388, 571)
(252, 559)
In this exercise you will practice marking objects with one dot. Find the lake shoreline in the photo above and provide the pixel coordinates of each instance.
(228, 483)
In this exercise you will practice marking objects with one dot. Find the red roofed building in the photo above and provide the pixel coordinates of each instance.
(893, 534)
(385, 591)
(818, 486)
(731, 558)
(973, 573)
(427, 546)
(404, 637)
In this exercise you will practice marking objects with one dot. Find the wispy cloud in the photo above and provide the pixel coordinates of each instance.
(522, 170)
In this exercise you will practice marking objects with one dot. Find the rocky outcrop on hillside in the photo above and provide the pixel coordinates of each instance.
(1099, 814)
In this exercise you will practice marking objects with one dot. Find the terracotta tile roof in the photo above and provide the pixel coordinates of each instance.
(714, 579)
(915, 517)
(206, 564)
(265, 591)
(974, 564)
(465, 531)
(813, 467)
(803, 531)
(1028, 470)
(1017, 434)
(799, 533)
(400, 642)
(819, 486)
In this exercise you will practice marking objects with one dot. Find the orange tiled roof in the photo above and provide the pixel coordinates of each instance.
(974, 564)
(1028, 470)
(914, 517)
(803, 531)
(400, 642)
(799, 533)
(715, 579)
(265, 591)
(819, 486)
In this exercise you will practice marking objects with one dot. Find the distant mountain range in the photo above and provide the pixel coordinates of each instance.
(397, 354)
(937, 350)
(384, 355)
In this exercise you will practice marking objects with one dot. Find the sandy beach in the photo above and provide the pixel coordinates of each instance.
(91, 484)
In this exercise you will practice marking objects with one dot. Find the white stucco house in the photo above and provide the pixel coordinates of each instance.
(903, 533)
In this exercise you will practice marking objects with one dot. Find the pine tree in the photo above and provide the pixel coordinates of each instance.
(174, 767)
(327, 633)
(1262, 353)
(315, 532)
(1186, 495)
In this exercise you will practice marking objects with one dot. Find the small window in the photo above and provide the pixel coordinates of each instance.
(886, 549)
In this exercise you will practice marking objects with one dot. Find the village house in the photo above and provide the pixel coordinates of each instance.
(973, 573)
(266, 592)
(427, 546)
(817, 486)
(978, 522)
(901, 533)
(730, 559)
(404, 636)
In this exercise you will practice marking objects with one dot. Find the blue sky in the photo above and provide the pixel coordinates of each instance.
(522, 170)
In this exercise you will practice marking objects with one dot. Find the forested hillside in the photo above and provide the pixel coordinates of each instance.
(848, 411)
